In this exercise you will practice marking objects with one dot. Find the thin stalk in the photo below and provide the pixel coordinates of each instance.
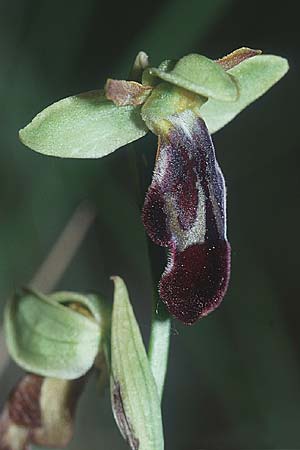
(161, 323)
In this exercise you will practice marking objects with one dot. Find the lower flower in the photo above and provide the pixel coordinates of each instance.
(40, 411)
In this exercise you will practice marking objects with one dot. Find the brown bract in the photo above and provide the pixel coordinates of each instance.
(40, 411)
(124, 93)
(121, 419)
(236, 57)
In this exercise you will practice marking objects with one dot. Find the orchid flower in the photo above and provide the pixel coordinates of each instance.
(183, 102)
(57, 339)
(62, 338)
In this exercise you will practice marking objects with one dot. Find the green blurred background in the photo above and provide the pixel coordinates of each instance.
(234, 378)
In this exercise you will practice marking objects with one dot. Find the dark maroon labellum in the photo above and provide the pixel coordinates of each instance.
(185, 210)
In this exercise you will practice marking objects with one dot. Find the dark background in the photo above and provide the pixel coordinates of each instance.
(234, 378)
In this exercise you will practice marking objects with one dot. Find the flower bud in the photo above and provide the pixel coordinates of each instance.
(58, 335)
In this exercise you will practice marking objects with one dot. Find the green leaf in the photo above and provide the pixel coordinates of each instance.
(201, 75)
(135, 401)
(254, 77)
(83, 126)
(48, 338)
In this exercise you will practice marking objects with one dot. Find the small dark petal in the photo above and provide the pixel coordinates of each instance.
(40, 411)
(185, 210)
(21, 414)
(24, 402)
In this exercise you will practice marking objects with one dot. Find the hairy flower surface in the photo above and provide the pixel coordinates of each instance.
(185, 210)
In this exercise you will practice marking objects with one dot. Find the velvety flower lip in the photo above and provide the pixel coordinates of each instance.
(185, 210)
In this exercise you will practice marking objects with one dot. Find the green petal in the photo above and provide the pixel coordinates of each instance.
(47, 338)
(135, 400)
(254, 77)
(83, 126)
(201, 75)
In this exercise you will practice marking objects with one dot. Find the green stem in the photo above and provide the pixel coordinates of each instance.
(161, 323)
(159, 348)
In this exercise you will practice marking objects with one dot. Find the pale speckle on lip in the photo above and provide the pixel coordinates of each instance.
(184, 238)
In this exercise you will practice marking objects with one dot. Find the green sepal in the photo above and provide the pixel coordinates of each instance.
(49, 336)
(135, 400)
(254, 76)
(83, 126)
(200, 75)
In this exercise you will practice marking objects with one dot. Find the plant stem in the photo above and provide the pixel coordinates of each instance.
(161, 322)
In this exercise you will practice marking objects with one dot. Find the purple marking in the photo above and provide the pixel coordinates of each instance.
(196, 280)
(185, 210)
